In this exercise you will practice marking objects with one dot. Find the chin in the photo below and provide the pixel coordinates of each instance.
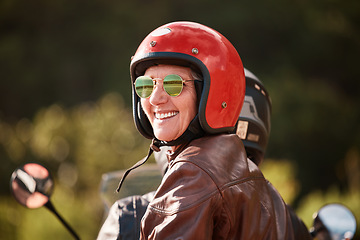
(164, 137)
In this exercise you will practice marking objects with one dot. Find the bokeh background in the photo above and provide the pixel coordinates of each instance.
(65, 97)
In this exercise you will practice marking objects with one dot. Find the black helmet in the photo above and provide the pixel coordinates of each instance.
(253, 125)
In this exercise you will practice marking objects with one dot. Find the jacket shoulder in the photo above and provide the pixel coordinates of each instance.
(223, 157)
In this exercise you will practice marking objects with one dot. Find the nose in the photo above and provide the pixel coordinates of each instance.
(158, 96)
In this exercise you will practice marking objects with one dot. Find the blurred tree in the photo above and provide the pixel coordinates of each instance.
(68, 54)
(286, 182)
(77, 145)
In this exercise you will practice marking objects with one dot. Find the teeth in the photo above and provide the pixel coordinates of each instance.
(165, 115)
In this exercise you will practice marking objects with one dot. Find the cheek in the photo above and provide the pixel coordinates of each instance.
(191, 107)
(194, 103)
(193, 111)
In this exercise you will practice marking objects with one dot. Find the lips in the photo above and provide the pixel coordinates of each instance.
(162, 116)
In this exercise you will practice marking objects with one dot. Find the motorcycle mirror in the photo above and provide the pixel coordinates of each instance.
(335, 221)
(32, 186)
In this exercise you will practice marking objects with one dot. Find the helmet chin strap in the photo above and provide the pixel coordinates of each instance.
(194, 131)
(136, 165)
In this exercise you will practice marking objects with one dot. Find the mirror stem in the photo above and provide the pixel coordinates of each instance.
(52, 209)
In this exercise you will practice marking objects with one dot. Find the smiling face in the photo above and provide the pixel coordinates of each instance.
(170, 116)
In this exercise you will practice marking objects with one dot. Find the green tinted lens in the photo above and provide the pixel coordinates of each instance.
(173, 84)
(144, 86)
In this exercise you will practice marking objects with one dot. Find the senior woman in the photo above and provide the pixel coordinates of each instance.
(188, 90)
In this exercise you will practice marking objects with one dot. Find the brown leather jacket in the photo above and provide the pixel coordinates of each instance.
(212, 191)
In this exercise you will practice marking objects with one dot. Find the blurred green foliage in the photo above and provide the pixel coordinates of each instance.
(65, 92)
(283, 175)
(78, 145)
(317, 199)
(286, 183)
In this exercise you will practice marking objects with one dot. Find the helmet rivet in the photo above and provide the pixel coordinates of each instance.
(153, 43)
(195, 51)
(224, 105)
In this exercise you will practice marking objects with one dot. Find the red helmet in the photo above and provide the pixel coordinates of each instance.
(211, 54)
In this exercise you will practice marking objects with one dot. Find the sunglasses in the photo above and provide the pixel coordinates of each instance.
(173, 85)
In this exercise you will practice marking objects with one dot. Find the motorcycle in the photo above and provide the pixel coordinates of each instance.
(32, 185)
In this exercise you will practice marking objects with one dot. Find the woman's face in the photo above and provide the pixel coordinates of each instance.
(170, 116)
